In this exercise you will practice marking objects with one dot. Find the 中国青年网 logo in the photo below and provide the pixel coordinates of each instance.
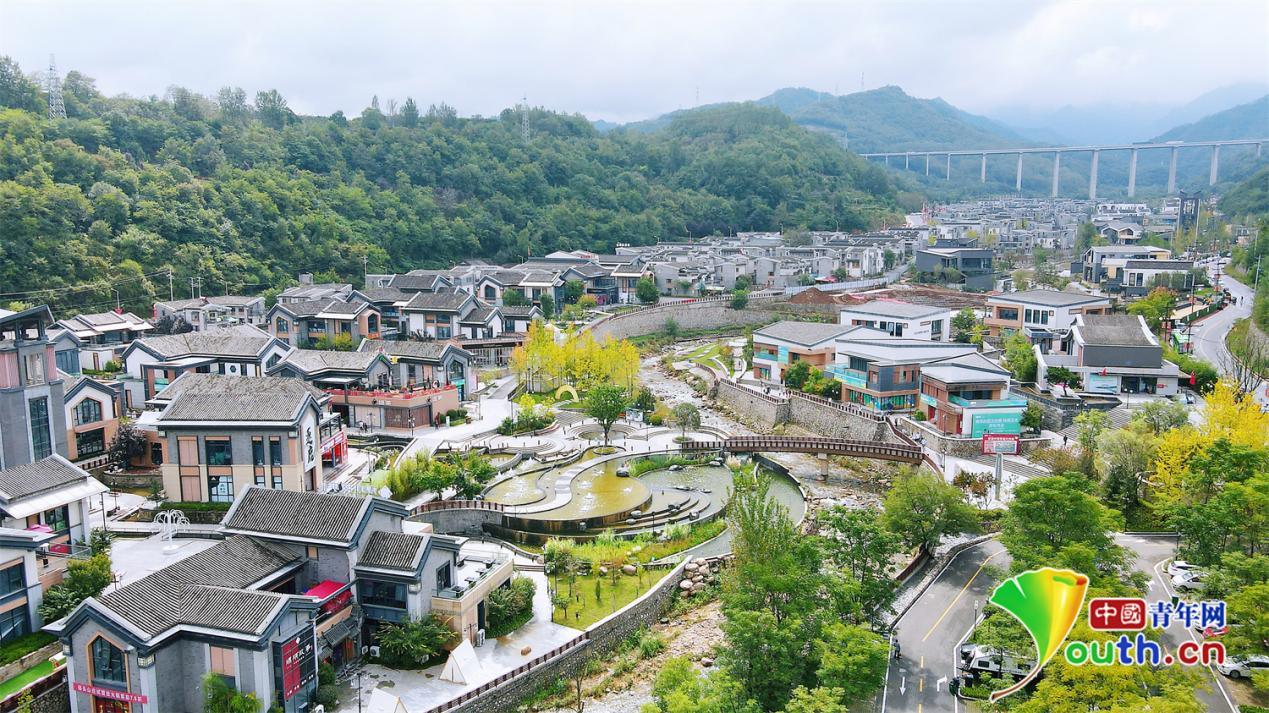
(1047, 603)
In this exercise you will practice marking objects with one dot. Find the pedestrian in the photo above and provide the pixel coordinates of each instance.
(896, 650)
(1064, 440)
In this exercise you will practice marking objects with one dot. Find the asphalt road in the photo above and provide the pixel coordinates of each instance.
(1209, 338)
(930, 632)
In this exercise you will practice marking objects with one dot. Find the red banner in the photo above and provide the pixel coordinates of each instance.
(112, 694)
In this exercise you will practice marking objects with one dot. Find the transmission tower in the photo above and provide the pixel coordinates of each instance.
(524, 120)
(53, 85)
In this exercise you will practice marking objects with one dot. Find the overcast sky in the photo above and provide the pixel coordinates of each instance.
(631, 60)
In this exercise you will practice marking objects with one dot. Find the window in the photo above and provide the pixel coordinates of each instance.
(260, 481)
(107, 663)
(88, 411)
(41, 437)
(1008, 313)
(443, 578)
(311, 552)
(90, 443)
(224, 664)
(12, 580)
(382, 594)
(277, 482)
(257, 451)
(14, 623)
(442, 332)
(187, 451)
(218, 452)
(275, 451)
(68, 361)
(58, 518)
(220, 488)
(283, 326)
(35, 368)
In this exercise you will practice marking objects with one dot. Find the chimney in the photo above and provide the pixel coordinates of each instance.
(306, 278)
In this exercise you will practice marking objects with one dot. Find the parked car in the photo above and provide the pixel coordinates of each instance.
(969, 652)
(1238, 667)
(1188, 582)
(999, 665)
(1176, 567)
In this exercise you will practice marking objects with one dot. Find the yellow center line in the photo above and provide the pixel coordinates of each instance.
(922, 662)
(959, 595)
(921, 684)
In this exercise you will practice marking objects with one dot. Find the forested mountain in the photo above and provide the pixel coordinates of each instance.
(1249, 198)
(1245, 121)
(245, 195)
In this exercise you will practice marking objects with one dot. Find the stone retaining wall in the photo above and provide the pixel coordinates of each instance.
(958, 447)
(459, 520)
(40, 655)
(837, 423)
(601, 637)
(689, 316)
(753, 407)
(1057, 414)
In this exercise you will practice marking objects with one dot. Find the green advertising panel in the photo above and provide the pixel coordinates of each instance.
(1010, 423)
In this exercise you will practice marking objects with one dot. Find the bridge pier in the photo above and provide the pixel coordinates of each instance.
(1258, 150)
(983, 173)
(1017, 183)
(907, 157)
(823, 458)
(1092, 176)
(1057, 170)
(1132, 174)
(948, 177)
(927, 164)
(1216, 162)
(1172, 172)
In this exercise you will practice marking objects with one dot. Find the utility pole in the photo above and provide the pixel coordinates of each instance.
(171, 290)
(524, 120)
(365, 270)
(53, 87)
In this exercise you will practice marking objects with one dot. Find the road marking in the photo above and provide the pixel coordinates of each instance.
(939, 683)
(903, 686)
(922, 662)
(921, 685)
(959, 595)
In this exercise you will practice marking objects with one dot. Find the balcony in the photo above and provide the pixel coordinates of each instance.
(852, 377)
(477, 575)
(987, 403)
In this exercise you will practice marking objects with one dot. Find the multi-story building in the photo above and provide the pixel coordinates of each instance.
(32, 395)
(223, 433)
(881, 372)
(1138, 277)
(427, 364)
(204, 313)
(301, 324)
(436, 315)
(975, 266)
(307, 291)
(900, 319)
(44, 516)
(1101, 263)
(360, 383)
(92, 418)
(103, 336)
(301, 578)
(1113, 354)
(152, 363)
(1045, 316)
(968, 396)
(776, 347)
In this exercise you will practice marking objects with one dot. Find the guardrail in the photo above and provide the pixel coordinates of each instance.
(852, 409)
(436, 505)
(800, 444)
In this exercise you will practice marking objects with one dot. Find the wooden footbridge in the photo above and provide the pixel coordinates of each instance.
(902, 453)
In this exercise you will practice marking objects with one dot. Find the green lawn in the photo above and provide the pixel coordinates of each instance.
(586, 610)
(18, 682)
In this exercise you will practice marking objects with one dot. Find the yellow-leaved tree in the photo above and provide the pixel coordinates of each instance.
(1240, 422)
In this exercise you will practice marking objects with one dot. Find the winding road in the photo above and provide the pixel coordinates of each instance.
(1209, 338)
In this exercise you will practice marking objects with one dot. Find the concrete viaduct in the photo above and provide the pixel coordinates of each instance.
(1057, 151)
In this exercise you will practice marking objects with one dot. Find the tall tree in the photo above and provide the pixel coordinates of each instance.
(921, 508)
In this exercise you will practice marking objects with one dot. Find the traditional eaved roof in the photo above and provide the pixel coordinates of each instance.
(311, 361)
(1047, 298)
(242, 340)
(207, 589)
(1159, 265)
(895, 309)
(305, 516)
(520, 311)
(1114, 330)
(44, 475)
(392, 550)
(90, 325)
(804, 333)
(429, 351)
(446, 301)
(965, 369)
(197, 397)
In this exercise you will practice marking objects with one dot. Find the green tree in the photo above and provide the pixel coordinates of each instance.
(817, 700)
(84, 578)
(852, 660)
(921, 508)
(1032, 417)
(547, 303)
(1057, 522)
(605, 404)
(1062, 375)
(646, 291)
(1020, 357)
(16, 91)
(573, 291)
(272, 109)
(410, 644)
(795, 377)
(1088, 427)
(220, 697)
(671, 328)
(1161, 415)
(687, 417)
(966, 326)
(860, 547)
(409, 116)
(739, 300)
(1154, 307)
(514, 298)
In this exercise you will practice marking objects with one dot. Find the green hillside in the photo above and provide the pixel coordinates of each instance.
(244, 195)
(1251, 197)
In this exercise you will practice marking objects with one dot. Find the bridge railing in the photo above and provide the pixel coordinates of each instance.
(801, 444)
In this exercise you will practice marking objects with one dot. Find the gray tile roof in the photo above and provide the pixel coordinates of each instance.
(206, 589)
(806, 333)
(291, 514)
(1114, 330)
(385, 294)
(313, 292)
(429, 351)
(241, 340)
(28, 479)
(1048, 298)
(392, 550)
(307, 308)
(412, 282)
(895, 308)
(519, 312)
(448, 301)
(1159, 265)
(314, 360)
(217, 397)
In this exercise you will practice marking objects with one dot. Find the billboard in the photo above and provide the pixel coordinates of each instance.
(1000, 444)
(1099, 384)
(1189, 212)
(988, 423)
(298, 656)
